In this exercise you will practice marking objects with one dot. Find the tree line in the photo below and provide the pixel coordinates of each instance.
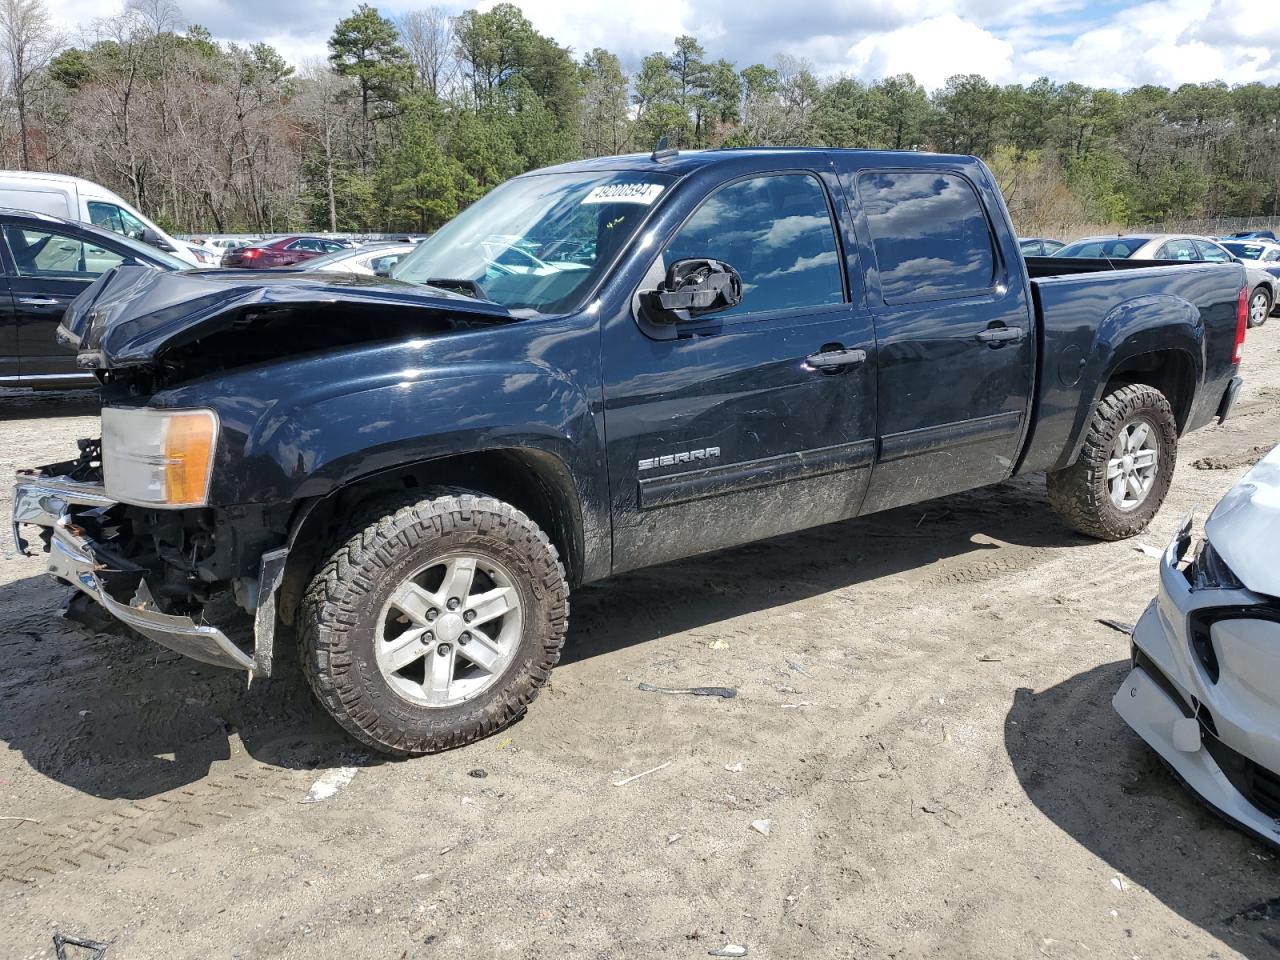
(411, 119)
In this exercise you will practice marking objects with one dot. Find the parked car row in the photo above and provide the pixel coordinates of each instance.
(1259, 253)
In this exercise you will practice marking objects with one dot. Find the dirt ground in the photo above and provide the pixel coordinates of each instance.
(923, 718)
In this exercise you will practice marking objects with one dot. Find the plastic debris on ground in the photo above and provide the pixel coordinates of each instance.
(728, 693)
(729, 950)
(329, 784)
(643, 773)
(761, 826)
(61, 941)
(1119, 625)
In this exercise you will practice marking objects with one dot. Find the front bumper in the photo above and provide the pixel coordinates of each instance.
(1207, 699)
(53, 502)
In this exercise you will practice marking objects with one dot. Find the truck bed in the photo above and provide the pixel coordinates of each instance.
(1080, 303)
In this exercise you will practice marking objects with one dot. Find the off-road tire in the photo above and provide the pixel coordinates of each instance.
(1265, 313)
(1080, 494)
(338, 618)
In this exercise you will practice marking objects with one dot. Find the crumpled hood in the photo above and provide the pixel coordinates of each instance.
(1244, 527)
(133, 314)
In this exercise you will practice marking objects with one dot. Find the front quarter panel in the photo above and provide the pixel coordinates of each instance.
(305, 426)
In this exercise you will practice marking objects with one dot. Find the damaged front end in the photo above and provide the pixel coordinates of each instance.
(156, 571)
(156, 523)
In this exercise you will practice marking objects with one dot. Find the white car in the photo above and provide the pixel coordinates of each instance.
(372, 259)
(205, 258)
(1264, 286)
(78, 199)
(1204, 690)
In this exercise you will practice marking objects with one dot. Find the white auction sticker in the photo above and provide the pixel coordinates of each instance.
(644, 193)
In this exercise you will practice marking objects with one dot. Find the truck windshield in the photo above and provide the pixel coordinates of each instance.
(538, 242)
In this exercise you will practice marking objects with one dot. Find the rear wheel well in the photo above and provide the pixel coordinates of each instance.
(532, 481)
(1169, 371)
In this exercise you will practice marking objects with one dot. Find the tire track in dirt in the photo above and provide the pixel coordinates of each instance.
(30, 853)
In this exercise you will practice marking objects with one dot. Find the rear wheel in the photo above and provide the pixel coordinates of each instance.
(435, 623)
(1259, 306)
(1125, 467)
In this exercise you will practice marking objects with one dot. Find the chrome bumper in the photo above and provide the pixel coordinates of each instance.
(50, 502)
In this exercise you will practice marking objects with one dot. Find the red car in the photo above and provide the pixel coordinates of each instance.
(280, 253)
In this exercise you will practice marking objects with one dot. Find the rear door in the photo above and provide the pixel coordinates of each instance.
(46, 269)
(953, 331)
(757, 420)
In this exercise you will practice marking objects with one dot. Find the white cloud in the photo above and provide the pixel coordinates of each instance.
(1099, 43)
(933, 50)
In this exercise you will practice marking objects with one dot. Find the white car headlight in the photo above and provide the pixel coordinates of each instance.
(158, 457)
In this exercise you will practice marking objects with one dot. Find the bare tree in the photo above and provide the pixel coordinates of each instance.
(427, 35)
(28, 42)
(320, 111)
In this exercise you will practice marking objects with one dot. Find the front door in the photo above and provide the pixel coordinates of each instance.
(953, 332)
(47, 269)
(757, 420)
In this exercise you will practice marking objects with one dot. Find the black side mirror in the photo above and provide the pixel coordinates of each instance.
(152, 238)
(693, 288)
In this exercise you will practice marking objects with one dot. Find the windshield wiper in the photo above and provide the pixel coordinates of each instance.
(468, 288)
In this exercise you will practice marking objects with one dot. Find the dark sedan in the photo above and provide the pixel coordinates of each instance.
(284, 252)
(47, 262)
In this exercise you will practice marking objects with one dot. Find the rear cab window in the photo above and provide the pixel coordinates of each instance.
(930, 235)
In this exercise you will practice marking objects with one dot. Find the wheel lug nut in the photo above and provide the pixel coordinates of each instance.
(432, 614)
(454, 603)
(464, 637)
(428, 637)
(443, 649)
(469, 616)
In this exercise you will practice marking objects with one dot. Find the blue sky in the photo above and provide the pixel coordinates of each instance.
(1098, 42)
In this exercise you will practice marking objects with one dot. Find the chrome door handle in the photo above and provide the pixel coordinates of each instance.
(832, 360)
(39, 301)
(995, 335)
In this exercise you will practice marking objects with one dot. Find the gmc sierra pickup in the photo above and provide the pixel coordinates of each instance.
(596, 367)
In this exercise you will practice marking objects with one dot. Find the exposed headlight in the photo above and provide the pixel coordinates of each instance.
(1210, 572)
(158, 457)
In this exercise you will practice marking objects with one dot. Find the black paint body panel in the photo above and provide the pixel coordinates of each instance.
(934, 406)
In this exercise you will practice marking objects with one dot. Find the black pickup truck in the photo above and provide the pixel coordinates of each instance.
(596, 367)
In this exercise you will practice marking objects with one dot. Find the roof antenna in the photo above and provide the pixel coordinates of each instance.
(662, 151)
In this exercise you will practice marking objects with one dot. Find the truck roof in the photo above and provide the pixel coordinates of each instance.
(686, 161)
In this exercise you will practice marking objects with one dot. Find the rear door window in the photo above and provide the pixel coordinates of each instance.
(930, 234)
(1178, 250)
(775, 230)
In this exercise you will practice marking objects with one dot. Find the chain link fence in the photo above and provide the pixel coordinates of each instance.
(1213, 227)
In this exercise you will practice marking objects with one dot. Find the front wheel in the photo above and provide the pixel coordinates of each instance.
(1123, 473)
(435, 623)
(1259, 307)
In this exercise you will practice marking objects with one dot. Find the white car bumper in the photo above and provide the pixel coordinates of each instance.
(1205, 692)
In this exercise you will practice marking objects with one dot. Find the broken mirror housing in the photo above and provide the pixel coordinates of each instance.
(698, 287)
